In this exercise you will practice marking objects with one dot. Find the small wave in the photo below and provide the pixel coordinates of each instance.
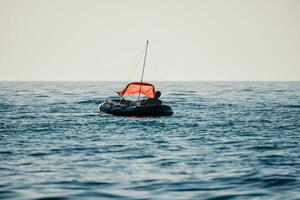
(8, 194)
(39, 154)
(264, 148)
(256, 179)
(76, 183)
(90, 101)
(237, 196)
(24, 116)
(68, 94)
(182, 94)
(247, 90)
(280, 91)
(41, 96)
(99, 195)
(21, 90)
(292, 106)
(136, 157)
(277, 181)
(5, 106)
(57, 103)
(265, 121)
(6, 152)
(51, 198)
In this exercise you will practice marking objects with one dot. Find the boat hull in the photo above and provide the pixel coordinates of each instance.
(134, 110)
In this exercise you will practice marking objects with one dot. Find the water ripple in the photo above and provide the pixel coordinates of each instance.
(226, 140)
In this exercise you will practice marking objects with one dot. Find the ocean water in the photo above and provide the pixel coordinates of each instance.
(226, 140)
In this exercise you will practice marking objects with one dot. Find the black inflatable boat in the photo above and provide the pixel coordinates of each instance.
(126, 108)
(152, 106)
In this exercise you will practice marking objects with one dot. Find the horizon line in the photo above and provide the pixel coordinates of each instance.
(150, 81)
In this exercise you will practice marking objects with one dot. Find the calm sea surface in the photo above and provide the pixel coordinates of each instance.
(226, 140)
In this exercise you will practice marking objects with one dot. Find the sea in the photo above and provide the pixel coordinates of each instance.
(226, 140)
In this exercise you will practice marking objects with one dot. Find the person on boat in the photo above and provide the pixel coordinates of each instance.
(153, 101)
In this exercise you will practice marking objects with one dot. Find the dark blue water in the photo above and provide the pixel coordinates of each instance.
(226, 140)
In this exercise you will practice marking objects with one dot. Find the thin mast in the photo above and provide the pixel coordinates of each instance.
(143, 68)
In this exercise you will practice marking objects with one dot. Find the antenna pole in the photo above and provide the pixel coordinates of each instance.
(143, 68)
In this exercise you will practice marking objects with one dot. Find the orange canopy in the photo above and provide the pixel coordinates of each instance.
(138, 87)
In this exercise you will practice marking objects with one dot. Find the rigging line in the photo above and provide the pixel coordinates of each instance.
(152, 55)
(135, 63)
(151, 63)
(157, 75)
(155, 63)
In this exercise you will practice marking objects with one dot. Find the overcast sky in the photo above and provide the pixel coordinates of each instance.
(189, 40)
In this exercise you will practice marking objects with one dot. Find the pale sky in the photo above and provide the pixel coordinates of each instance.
(190, 39)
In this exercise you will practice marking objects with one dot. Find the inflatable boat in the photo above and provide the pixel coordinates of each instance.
(152, 106)
(122, 108)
